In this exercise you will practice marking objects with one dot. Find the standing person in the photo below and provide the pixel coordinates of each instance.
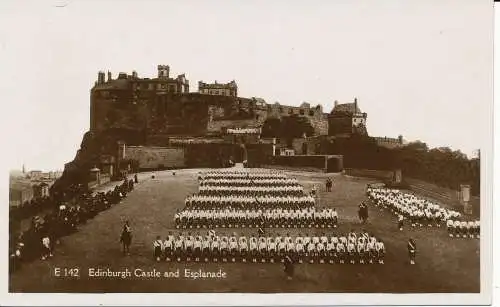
(412, 250)
(328, 185)
(313, 190)
(288, 267)
(46, 250)
(136, 180)
(400, 222)
(158, 248)
(364, 212)
(126, 238)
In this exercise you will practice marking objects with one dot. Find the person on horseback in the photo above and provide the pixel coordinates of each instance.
(126, 238)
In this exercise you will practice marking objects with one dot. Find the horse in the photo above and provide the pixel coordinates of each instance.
(126, 238)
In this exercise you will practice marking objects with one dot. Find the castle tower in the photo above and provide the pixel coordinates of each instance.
(109, 76)
(100, 77)
(163, 71)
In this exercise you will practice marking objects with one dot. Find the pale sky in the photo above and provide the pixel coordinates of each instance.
(420, 68)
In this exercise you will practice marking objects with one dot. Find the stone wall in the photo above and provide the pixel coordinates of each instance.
(216, 126)
(156, 157)
(377, 174)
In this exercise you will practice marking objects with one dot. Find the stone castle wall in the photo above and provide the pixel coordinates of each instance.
(150, 157)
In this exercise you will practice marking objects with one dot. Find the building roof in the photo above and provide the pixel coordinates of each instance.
(116, 84)
(231, 84)
(347, 107)
(20, 185)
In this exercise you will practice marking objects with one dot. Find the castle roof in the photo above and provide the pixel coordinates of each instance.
(117, 84)
(218, 85)
(350, 108)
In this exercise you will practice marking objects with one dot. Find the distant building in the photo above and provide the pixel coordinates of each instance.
(40, 190)
(20, 191)
(223, 89)
(35, 175)
(390, 142)
(346, 119)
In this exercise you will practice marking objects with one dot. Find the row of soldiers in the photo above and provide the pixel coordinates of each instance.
(250, 182)
(465, 229)
(295, 218)
(241, 201)
(252, 191)
(420, 212)
(255, 175)
(350, 248)
(45, 231)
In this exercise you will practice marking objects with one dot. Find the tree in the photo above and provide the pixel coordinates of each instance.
(417, 145)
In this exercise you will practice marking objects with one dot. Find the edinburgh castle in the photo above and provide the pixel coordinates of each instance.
(160, 122)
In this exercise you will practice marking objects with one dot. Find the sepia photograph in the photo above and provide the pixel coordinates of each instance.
(340, 148)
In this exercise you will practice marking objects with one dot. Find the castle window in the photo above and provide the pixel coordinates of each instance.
(281, 110)
(216, 92)
(311, 113)
(301, 111)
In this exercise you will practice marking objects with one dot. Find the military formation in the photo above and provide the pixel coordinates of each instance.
(463, 229)
(272, 218)
(252, 199)
(420, 212)
(351, 248)
(261, 199)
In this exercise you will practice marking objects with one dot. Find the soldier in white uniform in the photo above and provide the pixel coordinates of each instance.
(380, 249)
(168, 247)
(253, 248)
(243, 245)
(233, 246)
(157, 249)
(224, 248)
(341, 252)
(400, 222)
(179, 246)
(197, 245)
(449, 227)
(206, 245)
(299, 247)
(351, 251)
(311, 251)
(290, 249)
(263, 249)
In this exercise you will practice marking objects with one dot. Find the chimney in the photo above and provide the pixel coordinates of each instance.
(400, 139)
(355, 105)
(336, 103)
(109, 76)
(167, 71)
